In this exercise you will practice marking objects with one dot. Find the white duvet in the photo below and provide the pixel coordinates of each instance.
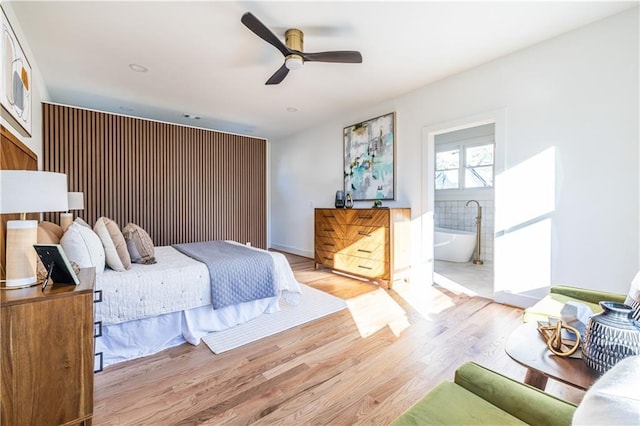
(175, 283)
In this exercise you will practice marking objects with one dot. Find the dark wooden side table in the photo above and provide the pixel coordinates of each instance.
(47, 354)
(527, 347)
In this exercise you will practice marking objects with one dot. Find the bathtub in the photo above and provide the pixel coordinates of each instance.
(453, 245)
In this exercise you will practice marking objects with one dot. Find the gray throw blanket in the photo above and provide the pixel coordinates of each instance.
(238, 274)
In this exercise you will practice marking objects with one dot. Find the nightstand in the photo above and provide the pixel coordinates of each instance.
(47, 353)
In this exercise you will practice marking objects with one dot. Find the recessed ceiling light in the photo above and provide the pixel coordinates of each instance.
(127, 109)
(191, 116)
(292, 109)
(138, 68)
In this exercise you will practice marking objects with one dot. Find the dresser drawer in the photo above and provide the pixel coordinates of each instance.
(331, 230)
(367, 250)
(325, 258)
(360, 266)
(368, 233)
(330, 244)
(331, 216)
(368, 217)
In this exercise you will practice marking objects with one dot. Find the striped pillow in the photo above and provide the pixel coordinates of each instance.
(139, 244)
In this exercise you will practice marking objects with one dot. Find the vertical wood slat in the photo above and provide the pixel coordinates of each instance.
(180, 184)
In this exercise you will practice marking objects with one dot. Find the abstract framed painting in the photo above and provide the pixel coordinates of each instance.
(369, 158)
(16, 86)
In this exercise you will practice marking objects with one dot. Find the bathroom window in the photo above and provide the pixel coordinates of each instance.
(447, 169)
(465, 166)
(478, 166)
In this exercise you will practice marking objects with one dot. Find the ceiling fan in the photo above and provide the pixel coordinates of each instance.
(292, 50)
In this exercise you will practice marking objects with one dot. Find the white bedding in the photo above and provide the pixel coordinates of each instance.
(153, 307)
(175, 283)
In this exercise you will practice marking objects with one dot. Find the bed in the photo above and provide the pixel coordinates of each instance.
(153, 298)
(152, 307)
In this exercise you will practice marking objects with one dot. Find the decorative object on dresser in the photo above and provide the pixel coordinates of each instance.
(370, 243)
(76, 202)
(369, 158)
(26, 191)
(348, 200)
(339, 199)
(47, 354)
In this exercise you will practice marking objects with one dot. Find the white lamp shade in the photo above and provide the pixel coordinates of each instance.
(76, 200)
(26, 191)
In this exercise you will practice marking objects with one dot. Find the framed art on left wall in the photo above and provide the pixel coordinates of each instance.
(16, 85)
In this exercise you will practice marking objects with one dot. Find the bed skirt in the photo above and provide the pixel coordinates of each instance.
(147, 336)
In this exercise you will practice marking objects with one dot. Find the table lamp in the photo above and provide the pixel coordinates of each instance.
(76, 202)
(27, 191)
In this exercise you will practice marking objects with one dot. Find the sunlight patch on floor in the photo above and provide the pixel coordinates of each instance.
(443, 281)
(420, 296)
(375, 310)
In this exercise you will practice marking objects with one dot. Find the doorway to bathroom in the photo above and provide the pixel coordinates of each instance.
(463, 188)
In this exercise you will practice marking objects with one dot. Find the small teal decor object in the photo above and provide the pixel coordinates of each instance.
(611, 336)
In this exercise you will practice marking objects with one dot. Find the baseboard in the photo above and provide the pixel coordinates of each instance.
(293, 250)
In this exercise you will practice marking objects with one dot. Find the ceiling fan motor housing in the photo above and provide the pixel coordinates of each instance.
(294, 40)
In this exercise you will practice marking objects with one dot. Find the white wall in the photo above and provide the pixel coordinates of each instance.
(571, 102)
(39, 92)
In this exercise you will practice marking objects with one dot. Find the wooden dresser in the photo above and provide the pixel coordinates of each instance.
(47, 354)
(370, 243)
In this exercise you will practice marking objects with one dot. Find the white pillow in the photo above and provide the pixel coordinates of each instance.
(83, 246)
(115, 246)
(633, 297)
(614, 399)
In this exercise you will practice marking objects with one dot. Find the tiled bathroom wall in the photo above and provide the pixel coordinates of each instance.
(453, 214)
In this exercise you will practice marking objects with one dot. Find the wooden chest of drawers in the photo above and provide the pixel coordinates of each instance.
(371, 243)
(47, 354)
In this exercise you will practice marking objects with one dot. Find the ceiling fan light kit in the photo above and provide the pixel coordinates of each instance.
(292, 51)
(293, 62)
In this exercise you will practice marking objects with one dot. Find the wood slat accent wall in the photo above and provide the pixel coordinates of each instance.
(14, 155)
(180, 184)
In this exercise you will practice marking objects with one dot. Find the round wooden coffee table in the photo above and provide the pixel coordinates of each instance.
(527, 347)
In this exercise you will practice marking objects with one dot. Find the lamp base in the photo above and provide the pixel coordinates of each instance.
(18, 287)
(66, 219)
(21, 257)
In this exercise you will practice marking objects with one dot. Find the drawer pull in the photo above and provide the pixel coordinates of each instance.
(366, 234)
(327, 258)
(328, 230)
(329, 215)
(365, 217)
(365, 251)
(328, 244)
(97, 296)
(364, 267)
(100, 358)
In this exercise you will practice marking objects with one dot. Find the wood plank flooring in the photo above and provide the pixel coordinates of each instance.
(363, 365)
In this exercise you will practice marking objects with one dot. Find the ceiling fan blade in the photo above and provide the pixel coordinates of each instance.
(279, 75)
(263, 32)
(344, 56)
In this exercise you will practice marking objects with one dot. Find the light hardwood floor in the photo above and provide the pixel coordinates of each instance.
(363, 365)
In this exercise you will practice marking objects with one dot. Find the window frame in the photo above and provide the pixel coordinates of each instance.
(461, 146)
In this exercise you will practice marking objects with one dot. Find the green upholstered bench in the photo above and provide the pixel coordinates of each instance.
(551, 304)
(479, 396)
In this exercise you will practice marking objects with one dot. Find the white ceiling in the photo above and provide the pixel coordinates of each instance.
(202, 60)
